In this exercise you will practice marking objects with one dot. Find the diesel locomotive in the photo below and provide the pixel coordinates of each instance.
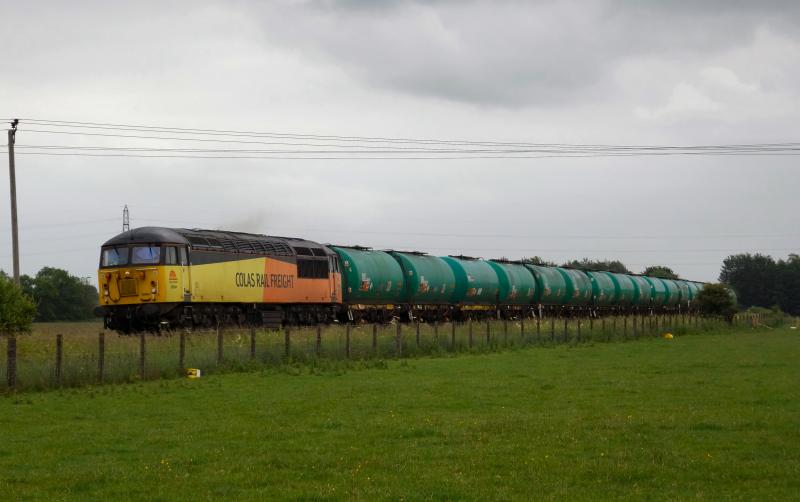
(155, 278)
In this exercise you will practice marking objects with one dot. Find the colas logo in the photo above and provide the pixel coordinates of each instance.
(173, 277)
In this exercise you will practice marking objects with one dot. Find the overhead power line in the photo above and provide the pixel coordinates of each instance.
(340, 147)
(462, 157)
(372, 152)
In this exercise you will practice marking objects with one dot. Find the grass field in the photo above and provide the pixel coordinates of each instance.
(706, 416)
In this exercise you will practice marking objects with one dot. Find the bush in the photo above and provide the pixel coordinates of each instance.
(16, 309)
(716, 299)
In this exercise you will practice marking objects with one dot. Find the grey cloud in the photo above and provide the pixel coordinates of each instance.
(513, 53)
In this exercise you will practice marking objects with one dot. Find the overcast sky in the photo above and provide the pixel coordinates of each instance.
(624, 72)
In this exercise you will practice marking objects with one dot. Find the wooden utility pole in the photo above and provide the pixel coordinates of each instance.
(13, 187)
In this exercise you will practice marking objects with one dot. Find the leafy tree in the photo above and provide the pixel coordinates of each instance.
(756, 278)
(60, 296)
(788, 284)
(716, 299)
(536, 260)
(16, 309)
(607, 265)
(661, 272)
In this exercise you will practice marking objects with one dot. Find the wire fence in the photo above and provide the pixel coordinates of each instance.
(62, 361)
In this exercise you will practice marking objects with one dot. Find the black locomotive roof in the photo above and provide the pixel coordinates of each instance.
(147, 235)
(220, 240)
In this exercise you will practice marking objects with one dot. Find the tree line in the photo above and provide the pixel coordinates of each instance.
(761, 281)
(52, 294)
(615, 266)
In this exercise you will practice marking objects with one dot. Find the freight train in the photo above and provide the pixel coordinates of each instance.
(155, 278)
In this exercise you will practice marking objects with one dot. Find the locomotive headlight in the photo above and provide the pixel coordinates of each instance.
(153, 290)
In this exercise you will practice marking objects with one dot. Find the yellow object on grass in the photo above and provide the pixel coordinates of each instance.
(193, 373)
(668, 336)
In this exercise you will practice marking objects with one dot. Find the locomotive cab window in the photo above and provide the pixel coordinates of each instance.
(183, 258)
(170, 256)
(114, 257)
(145, 255)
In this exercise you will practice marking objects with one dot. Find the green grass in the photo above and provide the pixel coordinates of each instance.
(706, 416)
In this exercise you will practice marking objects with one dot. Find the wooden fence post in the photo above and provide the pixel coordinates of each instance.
(375, 338)
(453, 335)
(553, 329)
(59, 358)
(220, 341)
(142, 355)
(625, 326)
(579, 330)
(505, 332)
(182, 351)
(469, 325)
(253, 342)
(642, 330)
(416, 326)
(566, 335)
(522, 327)
(318, 345)
(11, 364)
(287, 343)
(399, 339)
(488, 334)
(101, 356)
(538, 329)
(347, 342)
